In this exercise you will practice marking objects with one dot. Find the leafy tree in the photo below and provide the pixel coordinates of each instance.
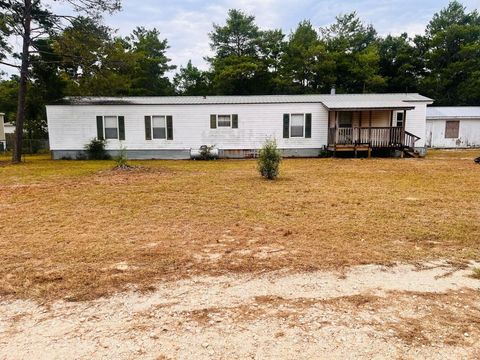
(401, 63)
(8, 98)
(237, 67)
(452, 44)
(307, 66)
(93, 63)
(191, 81)
(152, 64)
(272, 47)
(238, 37)
(354, 47)
(29, 20)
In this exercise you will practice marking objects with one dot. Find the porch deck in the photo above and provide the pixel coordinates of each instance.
(370, 138)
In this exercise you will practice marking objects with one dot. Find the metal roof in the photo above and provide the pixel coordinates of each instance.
(460, 112)
(332, 102)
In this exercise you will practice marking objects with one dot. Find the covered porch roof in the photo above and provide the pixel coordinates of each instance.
(368, 106)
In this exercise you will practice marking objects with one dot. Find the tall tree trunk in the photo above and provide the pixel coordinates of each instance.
(22, 90)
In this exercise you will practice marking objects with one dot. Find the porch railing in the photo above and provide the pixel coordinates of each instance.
(375, 137)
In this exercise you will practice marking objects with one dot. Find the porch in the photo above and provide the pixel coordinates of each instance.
(367, 130)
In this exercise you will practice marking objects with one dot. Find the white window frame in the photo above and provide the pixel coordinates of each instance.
(396, 118)
(105, 127)
(223, 126)
(303, 125)
(151, 126)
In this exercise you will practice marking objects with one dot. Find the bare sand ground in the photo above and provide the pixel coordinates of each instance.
(373, 312)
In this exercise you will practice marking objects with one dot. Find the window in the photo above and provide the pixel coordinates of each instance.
(297, 122)
(111, 127)
(229, 121)
(451, 129)
(345, 119)
(224, 121)
(400, 118)
(159, 127)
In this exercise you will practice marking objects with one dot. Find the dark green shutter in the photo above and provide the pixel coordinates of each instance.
(213, 121)
(121, 128)
(100, 127)
(235, 121)
(148, 128)
(169, 127)
(308, 125)
(286, 126)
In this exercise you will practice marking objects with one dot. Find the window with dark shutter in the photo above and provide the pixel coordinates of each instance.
(235, 121)
(100, 128)
(121, 128)
(111, 127)
(297, 125)
(148, 128)
(452, 129)
(308, 125)
(159, 127)
(169, 127)
(213, 121)
(286, 126)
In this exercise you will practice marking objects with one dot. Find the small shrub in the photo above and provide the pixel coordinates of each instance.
(269, 160)
(206, 152)
(476, 273)
(122, 159)
(96, 150)
(81, 156)
(324, 153)
(66, 157)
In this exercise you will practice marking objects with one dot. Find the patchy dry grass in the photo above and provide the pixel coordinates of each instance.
(476, 273)
(76, 229)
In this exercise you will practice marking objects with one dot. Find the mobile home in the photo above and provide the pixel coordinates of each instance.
(175, 127)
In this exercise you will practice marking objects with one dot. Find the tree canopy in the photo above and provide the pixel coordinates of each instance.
(88, 58)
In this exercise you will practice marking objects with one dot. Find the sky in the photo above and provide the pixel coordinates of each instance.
(186, 23)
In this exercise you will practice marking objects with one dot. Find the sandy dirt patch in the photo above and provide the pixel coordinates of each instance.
(429, 311)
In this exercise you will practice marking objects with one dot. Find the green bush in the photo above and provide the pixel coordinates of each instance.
(95, 150)
(269, 160)
(324, 153)
(122, 159)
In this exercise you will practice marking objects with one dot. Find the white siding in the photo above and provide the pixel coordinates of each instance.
(468, 135)
(71, 127)
(416, 122)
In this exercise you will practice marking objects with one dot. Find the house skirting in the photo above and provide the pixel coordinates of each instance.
(183, 154)
(131, 154)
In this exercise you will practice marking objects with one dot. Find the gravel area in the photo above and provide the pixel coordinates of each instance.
(373, 312)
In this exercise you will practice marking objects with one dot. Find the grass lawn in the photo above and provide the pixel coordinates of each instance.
(79, 230)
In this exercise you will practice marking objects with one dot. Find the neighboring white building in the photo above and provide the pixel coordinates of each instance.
(3, 143)
(174, 127)
(453, 127)
(9, 128)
